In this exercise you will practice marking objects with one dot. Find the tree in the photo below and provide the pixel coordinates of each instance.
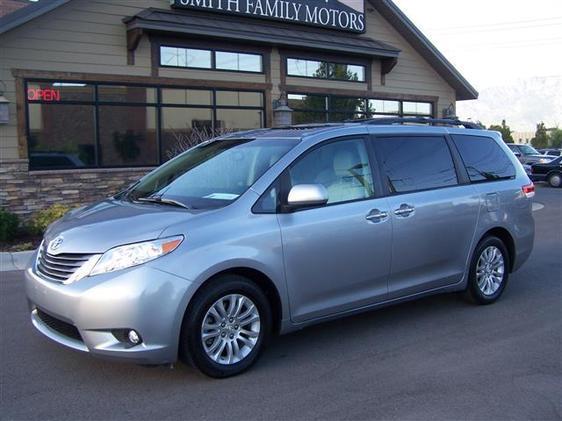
(541, 137)
(555, 138)
(504, 130)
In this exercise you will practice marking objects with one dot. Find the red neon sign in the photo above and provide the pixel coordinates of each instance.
(43, 94)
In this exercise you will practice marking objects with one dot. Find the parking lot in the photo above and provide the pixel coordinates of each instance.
(437, 358)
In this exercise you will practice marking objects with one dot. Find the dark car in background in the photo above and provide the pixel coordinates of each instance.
(526, 154)
(551, 152)
(551, 172)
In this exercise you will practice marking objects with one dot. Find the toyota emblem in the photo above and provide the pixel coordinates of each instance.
(56, 243)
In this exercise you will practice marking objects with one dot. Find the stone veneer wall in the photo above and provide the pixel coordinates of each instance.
(24, 193)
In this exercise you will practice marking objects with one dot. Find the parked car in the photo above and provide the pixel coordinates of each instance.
(551, 152)
(550, 172)
(528, 155)
(269, 231)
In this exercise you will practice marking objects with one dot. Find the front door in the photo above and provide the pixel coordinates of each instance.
(337, 256)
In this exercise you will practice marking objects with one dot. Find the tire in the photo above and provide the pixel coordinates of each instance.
(555, 179)
(243, 332)
(479, 289)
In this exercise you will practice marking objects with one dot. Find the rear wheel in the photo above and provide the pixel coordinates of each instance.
(489, 271)
(555, 179)
(226, 327)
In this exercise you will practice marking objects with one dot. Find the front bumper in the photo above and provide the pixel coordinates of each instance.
(143, 298)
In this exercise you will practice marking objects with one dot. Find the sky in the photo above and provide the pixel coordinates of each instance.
(494, 43)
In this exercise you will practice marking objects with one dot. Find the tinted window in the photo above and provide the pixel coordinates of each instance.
(342, 167)
(483, 158)
(416, 163)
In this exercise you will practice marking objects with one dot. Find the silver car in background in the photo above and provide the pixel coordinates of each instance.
(269, 231)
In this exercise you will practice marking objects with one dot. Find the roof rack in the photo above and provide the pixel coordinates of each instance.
(306, 126)
(419, 120)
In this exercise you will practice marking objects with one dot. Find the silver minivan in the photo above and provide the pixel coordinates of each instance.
(268, 231)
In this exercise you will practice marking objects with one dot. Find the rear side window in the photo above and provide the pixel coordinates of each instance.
(415, 163)
(483, 158)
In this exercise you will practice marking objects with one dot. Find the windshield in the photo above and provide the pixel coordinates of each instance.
(211, 175)
(528, 150)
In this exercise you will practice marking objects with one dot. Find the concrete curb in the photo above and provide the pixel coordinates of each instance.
(14, 261)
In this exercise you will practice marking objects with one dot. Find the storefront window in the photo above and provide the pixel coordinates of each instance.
(128, 125)
(325, 70)
(381, 106)
(183, 128)
(185, 57)
(127, 136)
(239, 98)
(187, 96)
(61, 136)
(416, 108)
(127, 94)
(55, 92)
(238, 119)
(238, 62)
(320, 108)
(210, 59)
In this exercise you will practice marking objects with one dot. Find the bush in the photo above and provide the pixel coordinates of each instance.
(8, 226)
(42, 219)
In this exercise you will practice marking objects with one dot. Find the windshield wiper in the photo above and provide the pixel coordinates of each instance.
(159, 199)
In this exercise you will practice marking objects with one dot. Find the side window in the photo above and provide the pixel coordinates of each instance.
(342, 167)
(483, 158)
(269, 201)
(415, 163)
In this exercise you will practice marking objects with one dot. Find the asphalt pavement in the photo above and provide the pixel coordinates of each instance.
(436, 358)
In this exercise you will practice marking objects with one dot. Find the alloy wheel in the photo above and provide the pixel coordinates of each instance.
(230, 329)
(490, 270)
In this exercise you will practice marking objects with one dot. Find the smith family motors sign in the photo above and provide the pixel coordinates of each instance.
(345, 15)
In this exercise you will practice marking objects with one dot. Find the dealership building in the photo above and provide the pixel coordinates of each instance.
(93, 94)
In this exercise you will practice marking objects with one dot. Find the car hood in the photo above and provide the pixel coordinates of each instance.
(97, 228)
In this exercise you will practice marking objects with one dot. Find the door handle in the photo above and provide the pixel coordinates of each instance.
(376, 215)
(404, 210)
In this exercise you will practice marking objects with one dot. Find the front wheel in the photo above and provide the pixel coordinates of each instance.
(555, 180)
(489, 271)
(225, 328)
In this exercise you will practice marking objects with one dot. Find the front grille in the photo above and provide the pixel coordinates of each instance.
(60, 267)
(59, 326)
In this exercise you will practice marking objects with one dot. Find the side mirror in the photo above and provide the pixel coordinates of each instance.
(307, 195)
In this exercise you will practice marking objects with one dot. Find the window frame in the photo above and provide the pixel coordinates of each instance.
(327, 62)
(159, 105)
(460, 171)
(213, 51)
(284, 179)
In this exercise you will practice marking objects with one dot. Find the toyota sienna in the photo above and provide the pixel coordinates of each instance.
(268, 231)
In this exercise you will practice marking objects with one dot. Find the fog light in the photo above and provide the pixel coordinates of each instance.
(134, 337)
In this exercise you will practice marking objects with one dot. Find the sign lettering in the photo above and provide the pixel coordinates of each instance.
(343, 15)
(46, 94)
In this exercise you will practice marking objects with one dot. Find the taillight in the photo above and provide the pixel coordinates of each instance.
(528, 190)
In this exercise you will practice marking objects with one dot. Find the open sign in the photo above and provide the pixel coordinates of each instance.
(43, 94)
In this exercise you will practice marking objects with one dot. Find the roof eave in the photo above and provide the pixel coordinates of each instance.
(28, 13)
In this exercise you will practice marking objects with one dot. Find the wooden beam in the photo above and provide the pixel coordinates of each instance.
(133, 38)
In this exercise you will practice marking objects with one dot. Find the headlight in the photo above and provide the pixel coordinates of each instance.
(135, 254)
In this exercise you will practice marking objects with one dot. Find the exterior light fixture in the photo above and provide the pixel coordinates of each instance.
(4, 105)
(282, 114)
